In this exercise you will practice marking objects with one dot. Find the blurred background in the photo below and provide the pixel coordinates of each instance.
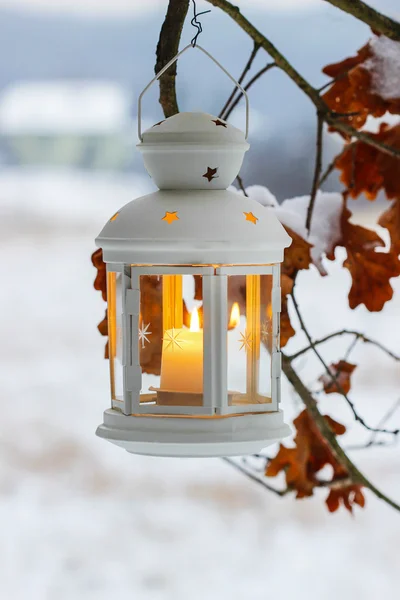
(81, 518)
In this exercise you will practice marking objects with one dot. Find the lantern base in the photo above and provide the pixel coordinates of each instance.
(233, 435)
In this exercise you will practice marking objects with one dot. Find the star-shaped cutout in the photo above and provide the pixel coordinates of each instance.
(265, 330)
(144, 333)
(172, 340)
(219, 123)
(250, 217)
(211, 173)
(114, 216)
(245, 341)
(159, 123)
(170, 217)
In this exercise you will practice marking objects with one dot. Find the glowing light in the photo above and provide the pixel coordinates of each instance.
(235, 316)
(170, 217)
(194, 320)
(250, 217)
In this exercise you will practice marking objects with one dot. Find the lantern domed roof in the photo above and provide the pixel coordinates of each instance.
(193, 150)
(194, 128)
(193, 227)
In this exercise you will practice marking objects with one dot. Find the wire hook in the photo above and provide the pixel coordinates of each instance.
(196, 23)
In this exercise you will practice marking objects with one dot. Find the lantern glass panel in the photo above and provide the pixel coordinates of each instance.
(171, 340)
(115, 334)
(250, 340)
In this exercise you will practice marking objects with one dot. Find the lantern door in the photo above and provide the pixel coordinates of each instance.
(169, 341)
(252, 333)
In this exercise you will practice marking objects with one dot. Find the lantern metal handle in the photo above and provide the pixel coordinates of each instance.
(167, 66)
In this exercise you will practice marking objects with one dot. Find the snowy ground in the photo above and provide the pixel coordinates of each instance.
(81, 518)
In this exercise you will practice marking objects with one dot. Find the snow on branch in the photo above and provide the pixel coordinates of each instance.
(384, 66)
(325, 230)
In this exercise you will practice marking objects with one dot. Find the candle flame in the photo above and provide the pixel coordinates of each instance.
(194, 320)
(235, 316)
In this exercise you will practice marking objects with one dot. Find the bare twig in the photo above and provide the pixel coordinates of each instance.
(357, 334)
(241, 185)
(335, 484)
(246, 69)
(329, 169)
(317, 170)
(248, 85)
(255, 477)
(350, 349)
(372, 440)
(167, 48)
(376, 20)
(334, 376)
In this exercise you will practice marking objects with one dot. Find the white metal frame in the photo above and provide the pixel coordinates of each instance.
(136, 380)
(125, 403)
(274, 270)
(171, 62)
(276, 363)
(215, 359)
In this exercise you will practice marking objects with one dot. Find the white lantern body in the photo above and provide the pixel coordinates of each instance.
(206, 384)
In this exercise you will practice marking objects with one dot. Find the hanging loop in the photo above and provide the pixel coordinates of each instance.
(171, 62)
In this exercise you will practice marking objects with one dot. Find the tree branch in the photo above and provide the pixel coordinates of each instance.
(317, 170)
(360, 135)
(313, 94)
(167, 48)
(261, 40)
(357, 335)
(356, 476)
(376, 20)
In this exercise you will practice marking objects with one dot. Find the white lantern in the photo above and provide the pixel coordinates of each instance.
(205, 383)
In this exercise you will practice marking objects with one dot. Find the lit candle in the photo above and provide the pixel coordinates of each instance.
(182, 358)
(235, 316)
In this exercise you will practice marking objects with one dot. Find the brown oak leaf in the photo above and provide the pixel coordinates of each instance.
(353, 89)
(390, 219)
(297, 256)
(366, 169)
(348, 496)
(310, 454)
(342, 372)
(100, 283)
(370, 271)
(287, 330)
